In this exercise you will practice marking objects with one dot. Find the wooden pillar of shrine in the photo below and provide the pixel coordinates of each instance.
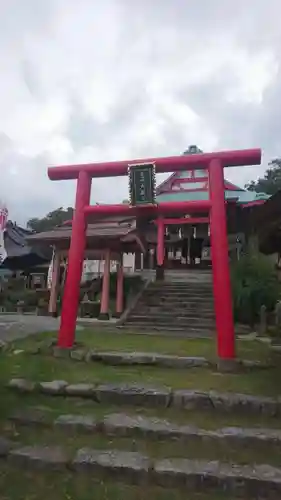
(52, 308)
(104, 309)
(120, 288)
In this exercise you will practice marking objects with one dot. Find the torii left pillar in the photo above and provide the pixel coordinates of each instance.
(75, 262)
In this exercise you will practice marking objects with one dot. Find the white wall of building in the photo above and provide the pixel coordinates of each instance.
(94, 268)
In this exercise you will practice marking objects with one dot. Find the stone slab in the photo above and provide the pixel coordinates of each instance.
(30, 417)
(126, 425)
(244, 403)
(251, 364)
(40, 457)
(136, 394)
(5, 446)
(145, 358)
(123, 358)
(191, 400)
(259, 481)
(22, 385)
(55, 387)
(250, 435)
(181, 361)
(133, 395)
(226, 402)
(78, 354)
(130, 466)
(81, 390)
(156, 428)
(77, 422)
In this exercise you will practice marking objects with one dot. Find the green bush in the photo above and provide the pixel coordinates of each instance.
(254, 283)
(30, 298)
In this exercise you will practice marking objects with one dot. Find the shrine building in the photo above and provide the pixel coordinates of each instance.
(187, 245)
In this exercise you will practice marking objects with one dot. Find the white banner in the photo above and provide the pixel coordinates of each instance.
(50, 272)
(3, 222)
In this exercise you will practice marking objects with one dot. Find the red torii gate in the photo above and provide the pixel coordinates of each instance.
(214, 163)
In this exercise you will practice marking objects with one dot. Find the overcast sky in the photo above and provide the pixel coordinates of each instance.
(96, 80)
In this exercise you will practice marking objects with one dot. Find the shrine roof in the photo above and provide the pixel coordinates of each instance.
(20, 254)
(97, 234)
(93, 230)
(193, 186)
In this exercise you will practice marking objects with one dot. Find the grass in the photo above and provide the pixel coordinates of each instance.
(155, 449)
(47, 368)
(44, 368)
(66, 486)
(42, 485)
(55, 406)
(127, 342)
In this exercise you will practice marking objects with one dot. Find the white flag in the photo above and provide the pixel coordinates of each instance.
(50, 272)
(3, 222)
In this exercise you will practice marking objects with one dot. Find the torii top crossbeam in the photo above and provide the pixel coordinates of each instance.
(162, 165)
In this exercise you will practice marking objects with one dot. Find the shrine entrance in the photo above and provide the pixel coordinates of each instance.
(143, 206)
(184, 241)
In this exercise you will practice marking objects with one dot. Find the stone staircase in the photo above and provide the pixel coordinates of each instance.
(127, 424)
(183, 303)
(140, 448)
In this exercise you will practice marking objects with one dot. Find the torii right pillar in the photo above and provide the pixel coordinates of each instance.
(221, 272)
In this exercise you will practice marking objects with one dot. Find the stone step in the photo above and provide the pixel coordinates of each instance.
(188, 331)
(167, 330)
(180, 286)
(177, 311)
(151, 396)
(154, 299)
(175, 300)
(204, 279)
(184, 283)
(176, 320)
(248, 481)
(177, 306)
(176, 293)
(123, 425)
(146, 359)
(129, 358)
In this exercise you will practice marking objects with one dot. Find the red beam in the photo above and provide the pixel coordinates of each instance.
(163, 165)
(148, 210)
(220, 265)
(185, 220)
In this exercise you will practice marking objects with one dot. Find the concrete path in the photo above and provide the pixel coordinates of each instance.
(16, 326)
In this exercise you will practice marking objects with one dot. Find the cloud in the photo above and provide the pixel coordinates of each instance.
(119, 79)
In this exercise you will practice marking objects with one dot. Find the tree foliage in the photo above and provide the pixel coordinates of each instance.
(254, 284)
(271, 182)
(51, 220)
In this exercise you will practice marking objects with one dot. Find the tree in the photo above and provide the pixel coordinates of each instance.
(51, 220)
(271, 182)
(193, 150)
